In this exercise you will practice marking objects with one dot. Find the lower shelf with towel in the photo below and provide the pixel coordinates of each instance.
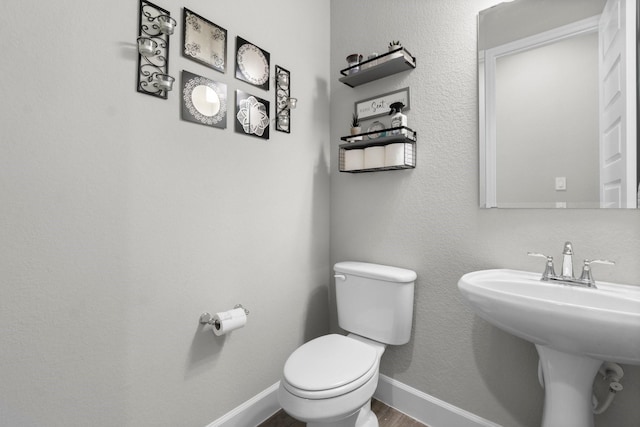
(397, 151)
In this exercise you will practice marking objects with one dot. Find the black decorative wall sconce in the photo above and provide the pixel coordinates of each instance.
(284, 102)
(156, 25)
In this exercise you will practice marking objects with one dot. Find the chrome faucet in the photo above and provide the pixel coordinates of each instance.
(567, 277)
(567, 261)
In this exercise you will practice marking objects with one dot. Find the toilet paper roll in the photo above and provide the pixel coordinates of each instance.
(227, 321)
(373, 157)
(394, 154)
(353, 160)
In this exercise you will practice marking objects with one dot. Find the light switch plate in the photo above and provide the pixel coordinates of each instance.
(561, 183)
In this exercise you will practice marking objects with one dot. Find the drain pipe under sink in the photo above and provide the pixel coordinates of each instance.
(611, 372)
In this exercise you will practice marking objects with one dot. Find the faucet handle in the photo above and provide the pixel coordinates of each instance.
(586, 275)
(599, 261)
(549, 270)
(539, 255)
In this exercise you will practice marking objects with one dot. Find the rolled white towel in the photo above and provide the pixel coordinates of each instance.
(374, 157)
(394, 154)
(353, 160)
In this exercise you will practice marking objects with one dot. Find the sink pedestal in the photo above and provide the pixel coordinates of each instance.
(574, 328)
(568, 382)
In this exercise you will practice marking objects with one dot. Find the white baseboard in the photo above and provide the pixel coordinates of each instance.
(253, 411)
(427, 409)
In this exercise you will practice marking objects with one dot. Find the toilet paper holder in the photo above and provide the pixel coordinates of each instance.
(207, 318)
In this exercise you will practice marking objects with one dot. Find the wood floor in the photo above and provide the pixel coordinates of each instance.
(387, 417)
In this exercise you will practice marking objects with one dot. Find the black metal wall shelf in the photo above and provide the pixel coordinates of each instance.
(379, 67)
(405, 135)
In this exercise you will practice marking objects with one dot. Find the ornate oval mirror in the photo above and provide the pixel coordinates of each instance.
(205, 100)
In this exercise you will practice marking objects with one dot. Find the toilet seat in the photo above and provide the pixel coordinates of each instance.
(329, 366)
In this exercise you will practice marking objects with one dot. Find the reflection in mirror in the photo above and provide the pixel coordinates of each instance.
(205, 100)
(557, 91)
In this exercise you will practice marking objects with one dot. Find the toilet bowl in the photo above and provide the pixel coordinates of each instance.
(329, 381)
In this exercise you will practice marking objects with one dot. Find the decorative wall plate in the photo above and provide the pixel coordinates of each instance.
(204, 100)
(204, 41)
(252, 64)
(252, 115)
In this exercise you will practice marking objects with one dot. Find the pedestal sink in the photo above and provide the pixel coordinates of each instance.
(574, 329)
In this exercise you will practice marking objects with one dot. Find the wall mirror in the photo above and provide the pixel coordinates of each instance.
(557, 104)
(204, 101)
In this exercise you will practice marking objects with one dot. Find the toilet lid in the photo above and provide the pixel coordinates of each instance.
(328, 362)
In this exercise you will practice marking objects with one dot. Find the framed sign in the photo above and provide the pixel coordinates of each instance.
(379, 105)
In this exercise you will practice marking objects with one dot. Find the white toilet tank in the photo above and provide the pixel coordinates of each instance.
(375, 301)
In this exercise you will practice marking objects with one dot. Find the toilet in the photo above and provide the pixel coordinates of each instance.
(329, 381)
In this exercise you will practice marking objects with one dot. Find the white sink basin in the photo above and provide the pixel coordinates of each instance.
(574, 329)
(602, 323)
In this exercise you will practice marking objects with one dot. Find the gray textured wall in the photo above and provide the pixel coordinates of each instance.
(428, 218)
(120, 223)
